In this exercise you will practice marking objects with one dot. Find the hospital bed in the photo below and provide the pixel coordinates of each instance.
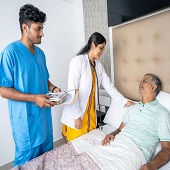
(81, 154)
(138, 47)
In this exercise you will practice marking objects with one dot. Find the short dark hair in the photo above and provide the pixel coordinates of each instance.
(29, 13)
(95, 38)
(155, 80)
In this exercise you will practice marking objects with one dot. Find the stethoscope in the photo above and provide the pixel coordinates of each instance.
(94, 68)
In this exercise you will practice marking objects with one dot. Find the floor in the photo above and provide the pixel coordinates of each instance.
(10, 164)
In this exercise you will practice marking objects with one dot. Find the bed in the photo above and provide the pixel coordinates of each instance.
(86, 151)
(138, 47)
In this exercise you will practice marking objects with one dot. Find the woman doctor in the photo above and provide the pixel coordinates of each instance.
(85, 74)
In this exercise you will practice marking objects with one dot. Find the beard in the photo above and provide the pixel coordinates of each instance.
(34, 39)
(38, 40)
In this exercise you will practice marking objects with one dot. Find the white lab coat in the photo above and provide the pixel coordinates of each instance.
(80, 78)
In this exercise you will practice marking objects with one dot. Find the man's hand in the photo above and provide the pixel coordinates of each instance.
(161, 158)
(107, 139)
(148, 166)
(43, 101)
(78, 123)
(112, 135)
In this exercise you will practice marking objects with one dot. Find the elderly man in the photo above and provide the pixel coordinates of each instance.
(146, 123)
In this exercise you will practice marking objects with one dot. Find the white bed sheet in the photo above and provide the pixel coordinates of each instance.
(109, 128)
(119, 155)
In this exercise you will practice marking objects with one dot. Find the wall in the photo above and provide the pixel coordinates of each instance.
(95, 20)
(64, 36)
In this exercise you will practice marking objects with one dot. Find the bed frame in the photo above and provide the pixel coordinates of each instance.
(138, 47)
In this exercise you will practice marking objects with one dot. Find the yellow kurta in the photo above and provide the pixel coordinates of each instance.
(89, 118)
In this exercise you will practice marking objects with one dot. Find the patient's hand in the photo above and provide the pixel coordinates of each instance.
(107, 139)
(78, 123)
(129, 103)
(148, 166)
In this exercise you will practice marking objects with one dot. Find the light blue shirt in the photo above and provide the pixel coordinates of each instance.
(27, 73)
(147, 124)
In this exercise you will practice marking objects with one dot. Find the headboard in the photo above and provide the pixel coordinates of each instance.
(140, 47)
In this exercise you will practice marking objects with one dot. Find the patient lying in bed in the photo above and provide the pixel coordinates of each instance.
(147, 123)
(144, 125)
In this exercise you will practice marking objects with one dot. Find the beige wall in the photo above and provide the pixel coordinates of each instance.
(95, 20)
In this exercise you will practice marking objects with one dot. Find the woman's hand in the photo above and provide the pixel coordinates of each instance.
(78, 123)
(129, 103)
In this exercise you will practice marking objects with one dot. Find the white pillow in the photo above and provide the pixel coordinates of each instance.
(115, 114)
(164, 99)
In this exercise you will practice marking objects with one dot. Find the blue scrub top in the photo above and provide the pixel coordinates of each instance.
(27, 73)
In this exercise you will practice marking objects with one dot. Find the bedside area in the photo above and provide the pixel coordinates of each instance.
(104, 100)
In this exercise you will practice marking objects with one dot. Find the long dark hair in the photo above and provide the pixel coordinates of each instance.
(95, 38)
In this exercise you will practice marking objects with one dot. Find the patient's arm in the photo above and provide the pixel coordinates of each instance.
(112, 135)
(162, 157)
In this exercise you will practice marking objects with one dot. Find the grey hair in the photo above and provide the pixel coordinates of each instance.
(155, 80)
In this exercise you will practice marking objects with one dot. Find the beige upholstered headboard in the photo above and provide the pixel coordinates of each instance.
(140, 47)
